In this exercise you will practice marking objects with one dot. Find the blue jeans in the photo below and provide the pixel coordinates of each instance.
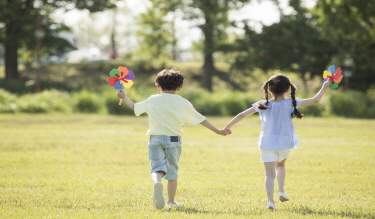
(164, 154)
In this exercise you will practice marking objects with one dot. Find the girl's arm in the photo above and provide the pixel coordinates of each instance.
(239, 118)
(211, 127)
(122, 95)
(318, 96)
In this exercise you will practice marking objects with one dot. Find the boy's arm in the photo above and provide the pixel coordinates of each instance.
(122, 95)
(211, 127)
(239, 118)
(318, 96)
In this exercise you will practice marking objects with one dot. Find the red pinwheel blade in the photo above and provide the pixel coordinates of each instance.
(338, 72)
(112, 80)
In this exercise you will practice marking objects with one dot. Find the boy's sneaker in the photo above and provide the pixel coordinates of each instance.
(283, 197)
(173, 205)
(271, 206)
(159, 196)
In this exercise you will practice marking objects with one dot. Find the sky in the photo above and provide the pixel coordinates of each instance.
(264, 12)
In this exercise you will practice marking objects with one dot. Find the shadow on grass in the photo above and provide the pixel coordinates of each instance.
(304, 210)
(190, 210)
(234, 212)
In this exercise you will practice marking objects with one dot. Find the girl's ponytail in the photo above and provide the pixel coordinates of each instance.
(265, 105)
(295, 113)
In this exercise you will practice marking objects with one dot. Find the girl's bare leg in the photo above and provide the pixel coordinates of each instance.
(269, 179)
(280, 175)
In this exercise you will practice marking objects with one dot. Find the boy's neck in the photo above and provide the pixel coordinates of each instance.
(168, 91)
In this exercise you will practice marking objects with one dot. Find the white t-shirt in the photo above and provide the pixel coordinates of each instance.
(277, 126)
(167, 114)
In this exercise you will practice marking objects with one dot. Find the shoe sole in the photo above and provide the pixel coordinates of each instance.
(159, 196)
(283, 199)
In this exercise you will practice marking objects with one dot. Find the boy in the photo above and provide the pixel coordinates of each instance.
(167, 114)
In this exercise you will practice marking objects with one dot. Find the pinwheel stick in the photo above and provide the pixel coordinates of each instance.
(120, 102)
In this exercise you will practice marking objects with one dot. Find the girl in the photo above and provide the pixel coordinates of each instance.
(277, 136)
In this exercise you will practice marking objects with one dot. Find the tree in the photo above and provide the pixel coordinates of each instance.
(213, 16)
(212, 19)
(350, 25)
(293, 44)
(155, 34)
(18, 20)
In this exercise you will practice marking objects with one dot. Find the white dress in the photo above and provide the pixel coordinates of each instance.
(277, 126)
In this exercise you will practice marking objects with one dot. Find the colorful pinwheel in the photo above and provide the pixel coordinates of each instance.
(334, 75)
(121, 78)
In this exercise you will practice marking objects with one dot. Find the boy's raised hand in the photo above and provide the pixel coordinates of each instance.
(121, 94)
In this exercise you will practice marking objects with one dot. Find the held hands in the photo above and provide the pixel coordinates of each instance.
(224, 132)
(228, 129)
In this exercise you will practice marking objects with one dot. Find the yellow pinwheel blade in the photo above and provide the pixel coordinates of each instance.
(129, 84)
(326, 74)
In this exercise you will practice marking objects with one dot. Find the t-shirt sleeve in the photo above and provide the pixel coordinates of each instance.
(256, 104)
(140, 107)
(193, 116)
(298, 101)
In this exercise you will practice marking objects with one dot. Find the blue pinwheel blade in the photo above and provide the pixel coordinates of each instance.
(332, 69)
(118, 86)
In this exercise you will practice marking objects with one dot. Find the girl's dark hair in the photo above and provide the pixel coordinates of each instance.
(169, 79)
(279, 84)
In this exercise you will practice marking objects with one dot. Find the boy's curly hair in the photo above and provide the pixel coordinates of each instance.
(169, 79)
(279, 84)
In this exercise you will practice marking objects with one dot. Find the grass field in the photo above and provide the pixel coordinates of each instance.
(96, 166)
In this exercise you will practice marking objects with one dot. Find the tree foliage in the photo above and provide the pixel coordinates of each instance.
(293, 44)
(210, 16)
(18, 21)
(212, 19)
(155, 33)
(350, 25)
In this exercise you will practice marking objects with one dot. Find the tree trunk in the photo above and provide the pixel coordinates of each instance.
(11, 54)
(209, 70)
(113, 39)
(209, 49)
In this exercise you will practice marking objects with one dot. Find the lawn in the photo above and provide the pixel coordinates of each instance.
(96, 166)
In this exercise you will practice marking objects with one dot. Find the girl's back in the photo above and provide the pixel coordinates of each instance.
(277, 128)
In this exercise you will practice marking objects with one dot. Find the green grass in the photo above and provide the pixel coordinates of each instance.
(96, 166)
